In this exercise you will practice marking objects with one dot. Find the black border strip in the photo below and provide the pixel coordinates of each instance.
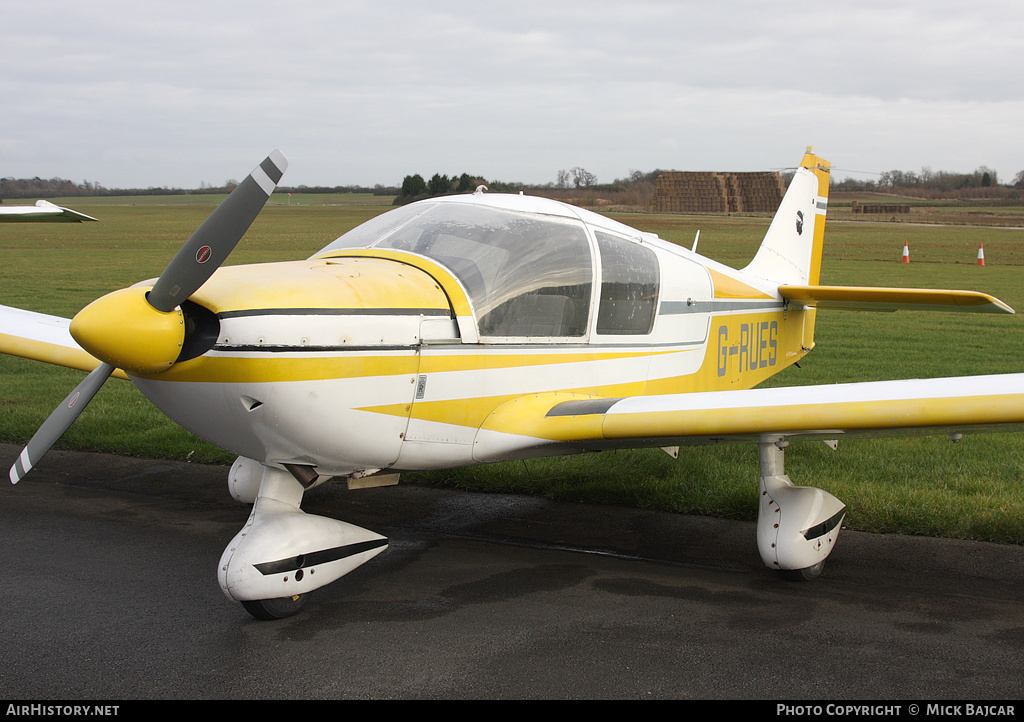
(324, 556)
(253, 348)
(819, 530)
(335, 312)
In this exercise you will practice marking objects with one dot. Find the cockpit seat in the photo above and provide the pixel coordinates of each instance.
(535, 314)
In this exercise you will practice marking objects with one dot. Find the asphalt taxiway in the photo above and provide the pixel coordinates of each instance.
(110, 592)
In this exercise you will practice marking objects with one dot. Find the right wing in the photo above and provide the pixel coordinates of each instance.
(41, 337)
(541, 424)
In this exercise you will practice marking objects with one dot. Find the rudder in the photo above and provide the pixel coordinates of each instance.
(791, 250)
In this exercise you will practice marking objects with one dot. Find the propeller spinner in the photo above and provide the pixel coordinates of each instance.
(143, 331)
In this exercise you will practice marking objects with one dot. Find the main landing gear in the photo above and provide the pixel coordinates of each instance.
(282, 554)
(797, 526)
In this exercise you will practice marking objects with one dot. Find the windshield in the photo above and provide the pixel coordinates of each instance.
(526, 274)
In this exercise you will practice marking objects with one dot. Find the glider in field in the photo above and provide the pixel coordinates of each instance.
(485, 327)
(41, 212)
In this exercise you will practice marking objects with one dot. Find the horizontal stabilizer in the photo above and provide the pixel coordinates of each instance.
(861, 298)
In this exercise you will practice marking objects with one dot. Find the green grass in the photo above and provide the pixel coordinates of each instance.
(927, 485)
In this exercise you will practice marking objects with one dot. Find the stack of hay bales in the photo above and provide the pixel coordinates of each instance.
(705, 192)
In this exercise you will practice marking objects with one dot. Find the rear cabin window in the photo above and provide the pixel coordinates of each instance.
(629, 286)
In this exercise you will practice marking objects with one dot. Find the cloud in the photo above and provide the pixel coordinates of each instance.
(139, 94)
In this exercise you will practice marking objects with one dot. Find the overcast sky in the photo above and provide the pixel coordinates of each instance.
(139, 93)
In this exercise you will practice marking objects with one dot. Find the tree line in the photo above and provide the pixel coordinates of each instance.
(21, 188)
(415, 187)
(983, 181)
(933, 182)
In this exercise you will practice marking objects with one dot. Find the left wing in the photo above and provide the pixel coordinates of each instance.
(41, 212)
(876, 408)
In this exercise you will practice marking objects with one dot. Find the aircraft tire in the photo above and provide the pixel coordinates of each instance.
(270, 609)
(803, 575)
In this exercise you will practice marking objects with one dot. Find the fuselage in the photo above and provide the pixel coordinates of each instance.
(393, 346)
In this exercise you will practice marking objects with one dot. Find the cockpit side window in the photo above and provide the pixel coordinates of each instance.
(630, 278)
(543, 287)
(527, 275)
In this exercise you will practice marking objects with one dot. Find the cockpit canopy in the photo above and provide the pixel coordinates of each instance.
(527, 273)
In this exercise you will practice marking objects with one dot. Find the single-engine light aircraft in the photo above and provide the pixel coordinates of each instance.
(485, 327)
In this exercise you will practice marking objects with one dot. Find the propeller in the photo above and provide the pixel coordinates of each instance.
(142, 331)
(210, 245)
(59, 421)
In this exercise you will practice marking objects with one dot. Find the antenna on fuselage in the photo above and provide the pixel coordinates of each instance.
(696, 238)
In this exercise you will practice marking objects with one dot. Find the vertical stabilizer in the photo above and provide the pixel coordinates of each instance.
(791, 250)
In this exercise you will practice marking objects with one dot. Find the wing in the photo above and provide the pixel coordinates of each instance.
(41, 337)
(41, 212)
(552, 423)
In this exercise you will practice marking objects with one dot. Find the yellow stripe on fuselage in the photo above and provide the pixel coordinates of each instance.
(272, 366)
(728, 287)
(473, 412)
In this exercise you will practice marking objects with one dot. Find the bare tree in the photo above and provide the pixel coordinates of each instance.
(581, 177)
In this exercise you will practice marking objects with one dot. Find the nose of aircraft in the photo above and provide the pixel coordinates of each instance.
(144, 331)
(125, 331)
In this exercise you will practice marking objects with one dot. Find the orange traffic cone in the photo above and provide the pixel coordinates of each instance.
(906, 253)
(981, 254)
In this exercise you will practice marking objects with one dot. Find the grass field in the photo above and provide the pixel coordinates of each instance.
(971, 489)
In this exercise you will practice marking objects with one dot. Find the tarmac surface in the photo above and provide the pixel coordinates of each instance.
(110, 593)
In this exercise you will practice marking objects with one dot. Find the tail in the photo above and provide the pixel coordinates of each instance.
(791, 250)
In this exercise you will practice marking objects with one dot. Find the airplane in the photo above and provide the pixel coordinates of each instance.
(41, 212)
(485, 327)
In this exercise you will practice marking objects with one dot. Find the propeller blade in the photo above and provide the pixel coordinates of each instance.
(210, 245)
(59, 421)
